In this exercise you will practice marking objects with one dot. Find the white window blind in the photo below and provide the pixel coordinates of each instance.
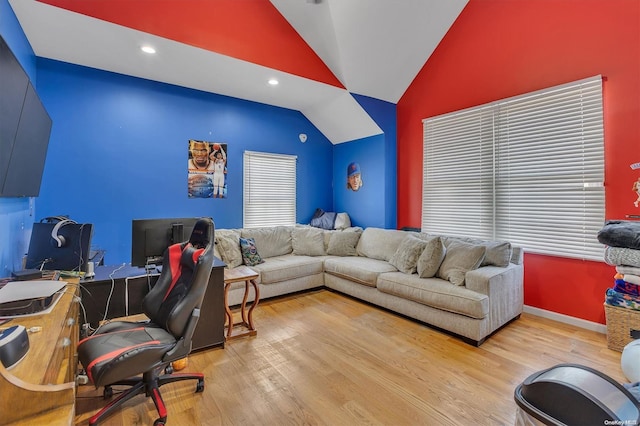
(458, 178)
(544, 187)
(269, 189)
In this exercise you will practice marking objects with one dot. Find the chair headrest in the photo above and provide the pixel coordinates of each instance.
(202, 233)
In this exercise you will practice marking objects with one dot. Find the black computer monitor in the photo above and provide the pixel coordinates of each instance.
(151, 237)
(69, 252)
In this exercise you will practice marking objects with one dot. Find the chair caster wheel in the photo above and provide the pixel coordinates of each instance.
(159, 422)
(200, 386)
(108, 392)
(168, 369)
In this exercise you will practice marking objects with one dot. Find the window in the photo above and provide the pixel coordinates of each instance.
(528, 169)
(269, 189)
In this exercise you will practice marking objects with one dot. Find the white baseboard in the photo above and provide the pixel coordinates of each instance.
(589, 325)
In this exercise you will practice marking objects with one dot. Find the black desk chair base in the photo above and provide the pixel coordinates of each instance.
(149, 384)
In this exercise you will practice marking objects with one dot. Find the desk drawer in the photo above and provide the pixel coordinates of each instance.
(61, 367)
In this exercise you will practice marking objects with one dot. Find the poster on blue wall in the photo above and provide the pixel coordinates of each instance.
(207, 169)
(354, 177)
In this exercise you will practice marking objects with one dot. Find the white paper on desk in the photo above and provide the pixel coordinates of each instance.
(21, 290)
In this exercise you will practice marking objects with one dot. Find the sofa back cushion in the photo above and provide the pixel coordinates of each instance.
(228, 246)
(307, 241)
(380, 244)
(271, 241)
(343, 243)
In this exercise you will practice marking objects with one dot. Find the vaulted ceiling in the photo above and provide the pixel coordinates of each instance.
(320, 51)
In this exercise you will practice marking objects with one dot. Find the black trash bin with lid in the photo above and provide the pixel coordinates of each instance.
(572, 394)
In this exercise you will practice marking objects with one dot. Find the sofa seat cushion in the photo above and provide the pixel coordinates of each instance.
(362, 270)
(435, 292)
(287, 267)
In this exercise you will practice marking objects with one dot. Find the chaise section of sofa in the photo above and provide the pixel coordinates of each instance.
(489, 297)
(472, 293)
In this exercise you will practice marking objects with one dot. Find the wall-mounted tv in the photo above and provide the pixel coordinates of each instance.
(25, 127)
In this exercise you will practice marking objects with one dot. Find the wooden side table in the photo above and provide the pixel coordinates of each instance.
(248, 275)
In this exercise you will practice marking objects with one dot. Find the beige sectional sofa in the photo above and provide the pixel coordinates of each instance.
(467, 287)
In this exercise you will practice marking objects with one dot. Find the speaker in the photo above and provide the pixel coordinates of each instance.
(14, 345)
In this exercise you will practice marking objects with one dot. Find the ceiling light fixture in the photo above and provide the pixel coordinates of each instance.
(273, 82)
(148, 49)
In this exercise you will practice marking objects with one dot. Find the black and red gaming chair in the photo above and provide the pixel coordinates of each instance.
(119, 352)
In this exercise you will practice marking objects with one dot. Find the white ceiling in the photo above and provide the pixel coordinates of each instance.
(374, 47)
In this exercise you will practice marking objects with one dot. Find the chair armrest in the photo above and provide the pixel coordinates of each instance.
(183, 347)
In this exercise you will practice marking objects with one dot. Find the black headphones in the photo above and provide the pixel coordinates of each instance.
(60, 221)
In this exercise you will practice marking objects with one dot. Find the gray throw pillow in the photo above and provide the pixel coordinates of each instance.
(228, 244)
(343, 243)
(431, 258)
(498, 253)
(406, 255)
(460, 258)
(307, 241)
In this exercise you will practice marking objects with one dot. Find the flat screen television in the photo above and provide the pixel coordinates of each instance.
(72, 255)
(25, 128)
(151, 237)
(13, 87)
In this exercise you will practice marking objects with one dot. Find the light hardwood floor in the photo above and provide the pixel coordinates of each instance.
(322, 358)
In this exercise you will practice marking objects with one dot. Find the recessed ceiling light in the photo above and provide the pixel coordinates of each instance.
(148, 49)
(273, 82)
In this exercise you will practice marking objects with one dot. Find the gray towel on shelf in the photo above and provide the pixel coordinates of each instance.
(622, 256)
(627, 270)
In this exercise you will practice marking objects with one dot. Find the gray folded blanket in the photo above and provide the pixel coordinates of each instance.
(620, 233)
(622, 256)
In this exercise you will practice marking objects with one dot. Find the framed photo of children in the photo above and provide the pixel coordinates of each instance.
(207, 169)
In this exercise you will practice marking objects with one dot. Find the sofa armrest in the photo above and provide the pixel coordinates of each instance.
(489, 279)
(505, 288)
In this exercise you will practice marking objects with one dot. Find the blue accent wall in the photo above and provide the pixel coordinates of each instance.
(374, 204)
(118, 151)
(16, 214)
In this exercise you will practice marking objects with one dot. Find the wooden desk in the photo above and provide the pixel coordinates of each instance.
(127, 285)
(41, 388)
(248, 275)
(209, 332)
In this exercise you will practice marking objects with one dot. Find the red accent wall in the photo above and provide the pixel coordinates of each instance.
(251, 30)
(502, 48)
